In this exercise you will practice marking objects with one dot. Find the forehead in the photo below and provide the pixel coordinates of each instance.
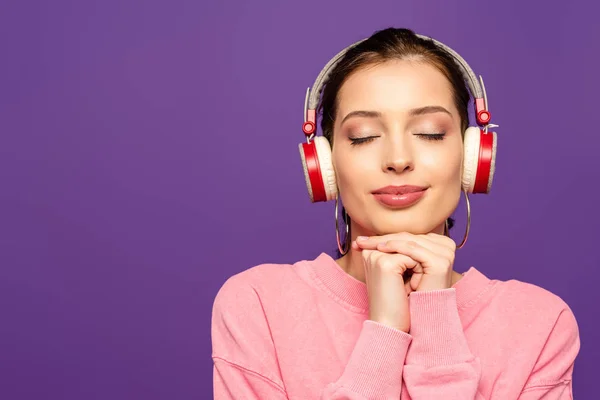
(395, 86)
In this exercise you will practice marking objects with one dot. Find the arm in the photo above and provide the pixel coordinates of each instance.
(552, 375)
(232, 382)
(374, 370)
(246, 365)
(439, 364)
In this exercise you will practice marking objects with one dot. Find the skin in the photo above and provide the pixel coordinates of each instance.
(397, 156)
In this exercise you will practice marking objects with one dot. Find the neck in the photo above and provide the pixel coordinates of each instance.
(352, 261)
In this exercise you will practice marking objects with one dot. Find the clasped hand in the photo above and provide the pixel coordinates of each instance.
(430, 257)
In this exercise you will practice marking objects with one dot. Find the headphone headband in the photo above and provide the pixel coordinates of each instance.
(476, 87)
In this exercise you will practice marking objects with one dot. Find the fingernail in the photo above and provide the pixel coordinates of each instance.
(361, 238)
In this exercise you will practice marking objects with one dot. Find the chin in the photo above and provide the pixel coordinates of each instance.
(418, 223)
(389, 227)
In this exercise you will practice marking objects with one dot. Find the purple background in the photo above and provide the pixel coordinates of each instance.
(149, 152)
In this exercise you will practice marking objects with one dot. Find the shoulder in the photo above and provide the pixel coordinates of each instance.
(537, 310)
(532, 298)
(238, 302)
(255, 277)
(545, 326)
(240, 327)
(245, 289)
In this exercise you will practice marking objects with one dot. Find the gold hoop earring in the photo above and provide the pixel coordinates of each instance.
(337, 230)
(447, 230)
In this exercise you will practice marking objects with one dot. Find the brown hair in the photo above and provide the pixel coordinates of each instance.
(386, 45)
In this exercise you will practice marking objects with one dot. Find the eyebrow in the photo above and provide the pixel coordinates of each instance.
(428, 110)
(412, 112)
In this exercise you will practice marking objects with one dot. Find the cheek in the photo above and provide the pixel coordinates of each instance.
(445, 164)
(351, 170)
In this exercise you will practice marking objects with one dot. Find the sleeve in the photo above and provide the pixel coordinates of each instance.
(374, 369)
(552, 375)
(245, 364)
(233, 382)
(439, 364)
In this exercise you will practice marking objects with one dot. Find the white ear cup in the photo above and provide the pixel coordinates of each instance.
(470, 158)
(318, 169)
(472, 179)
(306, 176)
(326, 166)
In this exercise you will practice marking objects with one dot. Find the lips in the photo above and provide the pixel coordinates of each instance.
(399, 190)
(399, 197)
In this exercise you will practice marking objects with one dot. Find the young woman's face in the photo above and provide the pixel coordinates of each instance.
(397, 104)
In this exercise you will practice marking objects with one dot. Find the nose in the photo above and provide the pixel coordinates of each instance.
(398, 157)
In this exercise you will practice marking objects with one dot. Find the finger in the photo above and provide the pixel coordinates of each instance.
(442, 240)
(437, 245)
(436, 249)
(372, 259)
(408, 287)
(414, 250)
(370, 242)
(388, 262)
(414, 281)
(366, 255)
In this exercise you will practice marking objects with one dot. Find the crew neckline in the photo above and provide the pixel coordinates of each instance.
(351, 292)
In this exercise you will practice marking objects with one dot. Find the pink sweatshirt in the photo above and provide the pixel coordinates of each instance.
(302, 332)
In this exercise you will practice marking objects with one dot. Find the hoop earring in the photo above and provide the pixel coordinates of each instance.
(447, 230)
(337, 231)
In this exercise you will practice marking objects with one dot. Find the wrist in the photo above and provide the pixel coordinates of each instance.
(403, 327)
(434, 282)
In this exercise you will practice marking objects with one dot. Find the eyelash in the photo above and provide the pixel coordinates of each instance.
(426, 136)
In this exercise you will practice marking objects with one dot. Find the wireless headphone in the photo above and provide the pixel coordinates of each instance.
(479, 143)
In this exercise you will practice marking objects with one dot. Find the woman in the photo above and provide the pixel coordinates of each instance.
(390, 318)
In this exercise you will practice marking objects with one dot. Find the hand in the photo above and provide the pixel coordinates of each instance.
(432, 255)
(388, 297)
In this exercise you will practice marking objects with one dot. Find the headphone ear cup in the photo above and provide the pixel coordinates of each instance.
(319, 173)
(327, 170)
(479, 160)
(470, 157)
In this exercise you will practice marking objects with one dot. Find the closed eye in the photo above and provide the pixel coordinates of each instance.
(356, 141)
(431, 136)
(426, 136)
